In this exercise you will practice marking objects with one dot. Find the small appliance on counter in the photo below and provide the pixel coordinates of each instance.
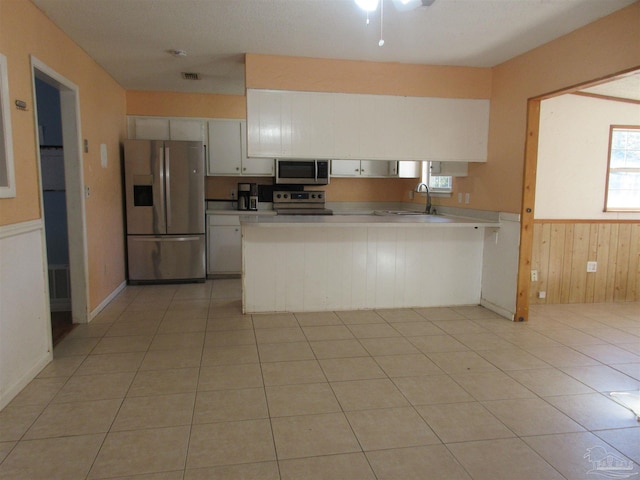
(245, 194)
(253, 196)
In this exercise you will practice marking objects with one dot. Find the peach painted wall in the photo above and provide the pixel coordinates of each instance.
(598, 50)
(26, 31)
(348, 76)
(173, 104)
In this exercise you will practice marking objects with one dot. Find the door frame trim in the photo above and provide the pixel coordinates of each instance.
(74, 183)
(527, 212)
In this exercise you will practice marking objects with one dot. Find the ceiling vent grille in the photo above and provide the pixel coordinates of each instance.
(190, 76)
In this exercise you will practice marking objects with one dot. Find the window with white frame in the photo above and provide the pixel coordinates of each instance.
(623, 170)
(436, 183)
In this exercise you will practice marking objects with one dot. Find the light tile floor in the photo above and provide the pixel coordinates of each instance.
(173, 382)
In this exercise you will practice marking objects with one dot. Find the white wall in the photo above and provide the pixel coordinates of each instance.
(572, 156)
(500, 266)
(25, 328)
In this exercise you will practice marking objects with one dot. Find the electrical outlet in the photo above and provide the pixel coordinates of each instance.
(534, 275)
(411, 194)
(460, 197)
(467, 198)
(233, 193)
(542, 294)
(592, 266)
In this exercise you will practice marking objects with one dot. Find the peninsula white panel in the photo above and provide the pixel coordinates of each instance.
(302, 268)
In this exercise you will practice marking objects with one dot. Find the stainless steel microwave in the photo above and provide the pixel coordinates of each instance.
(302, 172)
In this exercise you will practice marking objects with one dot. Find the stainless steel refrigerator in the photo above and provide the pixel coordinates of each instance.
(164, 182)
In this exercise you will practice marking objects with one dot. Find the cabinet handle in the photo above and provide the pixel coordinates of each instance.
(357, 169)
(237, 168)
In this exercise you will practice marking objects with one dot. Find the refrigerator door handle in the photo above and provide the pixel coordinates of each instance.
(135, 238)
(160, 164)
(167, 159)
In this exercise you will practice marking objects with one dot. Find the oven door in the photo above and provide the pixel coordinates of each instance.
(302, 172)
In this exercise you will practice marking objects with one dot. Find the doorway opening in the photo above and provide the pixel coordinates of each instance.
(608, 89)
(62, 201)
(55, 207)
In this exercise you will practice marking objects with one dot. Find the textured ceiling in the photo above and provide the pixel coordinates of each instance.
(130, 38)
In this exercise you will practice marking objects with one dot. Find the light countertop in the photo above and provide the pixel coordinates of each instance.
(242, 213)
(366, 221)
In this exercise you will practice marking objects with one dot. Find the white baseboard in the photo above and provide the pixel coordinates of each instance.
(8, 394)
(94, 313)
(503, 312)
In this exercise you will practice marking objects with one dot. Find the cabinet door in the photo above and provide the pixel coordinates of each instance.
(408, 169)
(254, 166)
(311, 124)
(269, 124)
(225, 154)
(224, 249)
(346, 117)
(454, 130)
(373, 138)
(376, 168)
(192, 130)
(345, 168)
(151, 128)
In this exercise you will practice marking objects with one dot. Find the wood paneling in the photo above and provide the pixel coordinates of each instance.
(560, 253)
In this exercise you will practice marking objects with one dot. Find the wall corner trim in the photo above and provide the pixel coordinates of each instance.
(21, 228)
(96, 311)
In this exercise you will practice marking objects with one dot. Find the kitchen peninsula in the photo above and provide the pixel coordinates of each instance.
(353, 262)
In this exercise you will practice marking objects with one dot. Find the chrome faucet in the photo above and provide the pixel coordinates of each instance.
(427, 208)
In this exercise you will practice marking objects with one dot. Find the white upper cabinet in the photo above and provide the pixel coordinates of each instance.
(270, 125)
(366, 127)
(163, 128)
(346, 126)
(143, 128)
(188, 129)
(363, 168)
(227, 152)
(454, 130)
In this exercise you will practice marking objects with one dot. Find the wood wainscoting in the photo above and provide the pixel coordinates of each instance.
(561, 250)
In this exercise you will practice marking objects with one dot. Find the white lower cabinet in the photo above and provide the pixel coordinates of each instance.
(224, 245)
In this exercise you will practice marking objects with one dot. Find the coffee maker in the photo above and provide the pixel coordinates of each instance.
(253, 197)
(244, 192)
(247, 196)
